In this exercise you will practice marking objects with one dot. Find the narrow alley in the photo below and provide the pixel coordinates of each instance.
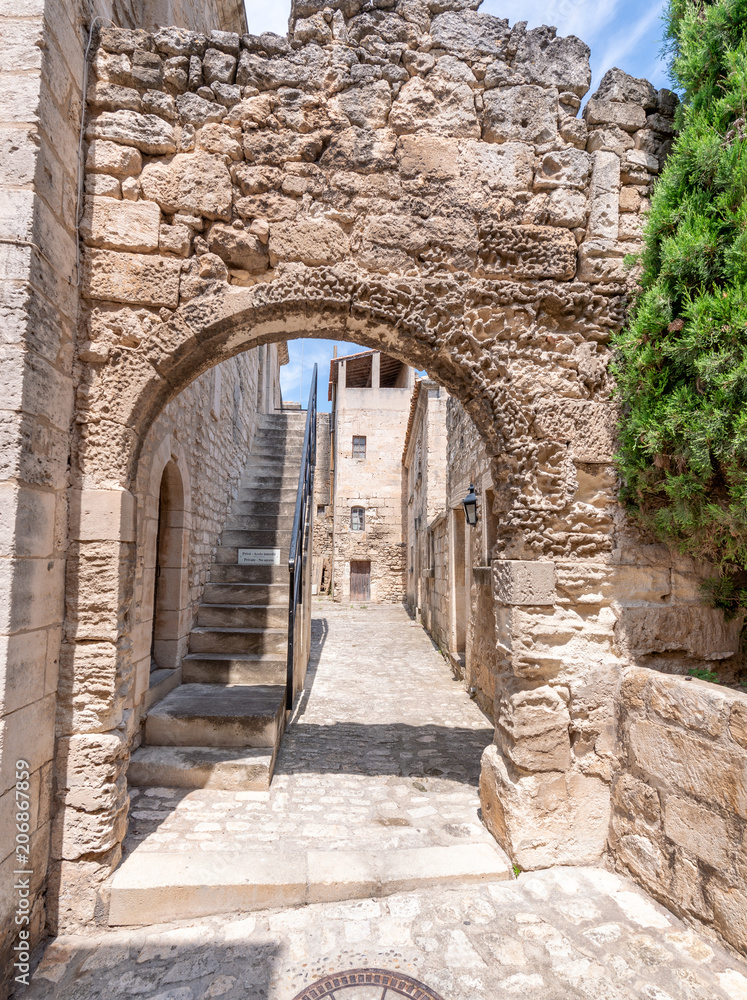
(378, 775)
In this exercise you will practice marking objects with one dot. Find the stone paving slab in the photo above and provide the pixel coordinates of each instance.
(150, 886)
(562, 934)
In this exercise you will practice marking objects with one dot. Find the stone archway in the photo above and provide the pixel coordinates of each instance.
(445, 206)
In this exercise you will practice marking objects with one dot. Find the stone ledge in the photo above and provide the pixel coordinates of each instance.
(151, 887)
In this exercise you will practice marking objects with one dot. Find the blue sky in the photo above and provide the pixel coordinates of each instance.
(624, 33)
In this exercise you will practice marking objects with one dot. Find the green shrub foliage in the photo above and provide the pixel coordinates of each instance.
(681, 364)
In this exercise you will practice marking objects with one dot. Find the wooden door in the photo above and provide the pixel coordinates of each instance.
(360, 580)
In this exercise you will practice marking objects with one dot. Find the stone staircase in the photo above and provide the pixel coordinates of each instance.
(222, 726)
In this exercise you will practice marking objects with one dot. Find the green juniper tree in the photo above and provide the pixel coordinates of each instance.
(681, 364)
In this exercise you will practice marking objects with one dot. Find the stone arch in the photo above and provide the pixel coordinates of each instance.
(415, 180)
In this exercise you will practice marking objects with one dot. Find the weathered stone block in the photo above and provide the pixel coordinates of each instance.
(621, 87)
(526, 114)
(367, 106)
(532, 252)
(629, 117)
(691, 703)
(428, 156)
(690, 764)
(738, 722)
(313, 241)
(601, 583)
(196, 183)
(602, 260)
(238, 248)
(135, 279)
(702, 833)
(546, 819)
(609, 139)
(516, 582)
(112, 158)
(505, 167)
(697, 632)
(360, 150)
(175, 239)
(563, 168)
(195, 110)
(218, 67)
(550, 61)
(533, 730)
(121, 225)
(225, 140)
(443, 108)
(148, 133)
(102, 515)
(730, 912)
(469, 33)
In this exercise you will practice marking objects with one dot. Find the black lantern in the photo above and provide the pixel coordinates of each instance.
(470, 506)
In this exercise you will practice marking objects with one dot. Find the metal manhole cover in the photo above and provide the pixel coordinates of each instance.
(367, 984)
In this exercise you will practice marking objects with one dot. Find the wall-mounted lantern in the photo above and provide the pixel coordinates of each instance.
(470, 506)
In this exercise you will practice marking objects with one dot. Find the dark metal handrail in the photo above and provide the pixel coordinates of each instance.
(303, 529)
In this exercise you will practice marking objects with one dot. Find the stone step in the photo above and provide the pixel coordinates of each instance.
(264, 508)
(149, 887)
(272, 460)
(269, 482)
(241, 668)
(214, 715)
(232, 573)
(238, 640)
(230, 769)
(258, 494)
(258, 522)
(242, 616)
(246, 593)
(271, 538)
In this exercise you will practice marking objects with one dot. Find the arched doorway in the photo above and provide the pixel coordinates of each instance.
(170, 591)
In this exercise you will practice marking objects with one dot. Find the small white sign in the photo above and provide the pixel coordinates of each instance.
(259, 557)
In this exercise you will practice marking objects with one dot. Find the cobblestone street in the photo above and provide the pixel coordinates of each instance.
(383, 755)
(384, 752)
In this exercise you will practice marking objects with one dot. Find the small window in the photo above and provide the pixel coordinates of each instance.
(357, 518)
(321, 509)
(359, 447)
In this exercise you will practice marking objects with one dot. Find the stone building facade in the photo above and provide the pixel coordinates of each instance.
(370, 395)
(415, 179)
(424, 497)
(449, 582)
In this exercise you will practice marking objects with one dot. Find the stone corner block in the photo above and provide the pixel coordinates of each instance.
(102, 516)
(519, 582)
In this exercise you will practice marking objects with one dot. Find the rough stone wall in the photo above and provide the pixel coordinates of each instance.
(679, 801)
(414, 180)
(374, 483)
(40, 89)
(468, 463)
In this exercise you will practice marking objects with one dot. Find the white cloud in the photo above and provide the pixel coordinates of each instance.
(625, 43)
